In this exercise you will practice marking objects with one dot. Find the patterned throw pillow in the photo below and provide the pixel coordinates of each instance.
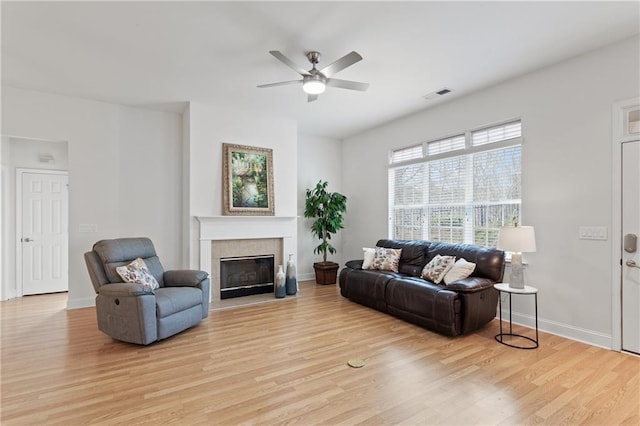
(369, 255)
(386, 259)
(435, 270)
(460, 270)
(138, 273)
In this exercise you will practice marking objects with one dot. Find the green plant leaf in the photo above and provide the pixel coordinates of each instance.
(328, 209)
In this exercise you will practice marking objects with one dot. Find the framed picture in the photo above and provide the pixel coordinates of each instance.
(248, 180)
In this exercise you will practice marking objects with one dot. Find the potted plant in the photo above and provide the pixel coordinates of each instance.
(327, 208)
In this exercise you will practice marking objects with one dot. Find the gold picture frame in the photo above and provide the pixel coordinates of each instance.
(247, 180)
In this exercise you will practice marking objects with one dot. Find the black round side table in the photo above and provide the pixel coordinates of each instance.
(527, 290)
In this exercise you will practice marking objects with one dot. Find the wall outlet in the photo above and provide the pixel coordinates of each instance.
(593, 232)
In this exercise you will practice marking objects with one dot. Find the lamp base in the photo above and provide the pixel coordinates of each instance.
(517, 273)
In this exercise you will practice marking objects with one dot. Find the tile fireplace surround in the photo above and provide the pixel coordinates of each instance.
(236, 228)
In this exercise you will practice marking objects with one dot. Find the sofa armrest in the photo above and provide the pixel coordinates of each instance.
(471, 284)
(184, 278)
(124, 289)
(354, 264)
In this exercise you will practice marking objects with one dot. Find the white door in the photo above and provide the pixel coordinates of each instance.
(44, 236)
(631, 246)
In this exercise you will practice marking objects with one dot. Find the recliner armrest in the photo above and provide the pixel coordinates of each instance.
(124, 289)
(354, 264)
(471, 284)
(184, 278)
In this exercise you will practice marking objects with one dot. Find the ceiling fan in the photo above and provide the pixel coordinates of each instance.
(315, 81)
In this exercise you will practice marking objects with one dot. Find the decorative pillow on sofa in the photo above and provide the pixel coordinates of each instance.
(369, 255)
(435, 270)
(460, 270)
(386, 259)
(138, 273)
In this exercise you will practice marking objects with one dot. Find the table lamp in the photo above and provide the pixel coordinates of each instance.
(517, 239)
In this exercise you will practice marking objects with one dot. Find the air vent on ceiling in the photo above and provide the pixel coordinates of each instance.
(438, 93)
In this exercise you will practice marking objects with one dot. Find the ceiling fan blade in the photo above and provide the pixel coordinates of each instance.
(288, 62)
(282, 83)
(312, 98)
(346, 61)
(346, 84)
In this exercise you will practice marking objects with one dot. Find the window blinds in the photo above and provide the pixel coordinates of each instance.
(462, 198)
(446, 145)
(496, 134)
(406, 154)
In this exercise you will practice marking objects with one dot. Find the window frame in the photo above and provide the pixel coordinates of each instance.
(470, 149)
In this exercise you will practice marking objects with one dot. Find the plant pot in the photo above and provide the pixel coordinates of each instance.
(326, 272)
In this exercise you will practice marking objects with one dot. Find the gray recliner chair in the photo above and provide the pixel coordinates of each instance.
(136, 313)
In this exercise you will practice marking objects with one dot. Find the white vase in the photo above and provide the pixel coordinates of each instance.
(291, 282)
(280, 284)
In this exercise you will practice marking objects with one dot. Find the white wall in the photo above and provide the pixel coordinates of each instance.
(22, 153)
(26, 152)
(319, 158)
(210, 126)
(567, 167)
(5, 225)
(124, 172)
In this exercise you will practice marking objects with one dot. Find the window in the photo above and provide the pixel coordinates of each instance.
(405, 154)
(460, 189)
(446, 145)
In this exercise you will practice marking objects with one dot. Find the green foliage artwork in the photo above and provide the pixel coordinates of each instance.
(248, 180)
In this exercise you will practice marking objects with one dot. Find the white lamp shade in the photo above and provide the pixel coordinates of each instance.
(313, 87)
(517, 239)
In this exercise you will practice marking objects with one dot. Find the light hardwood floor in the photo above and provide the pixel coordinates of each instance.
(286, 362)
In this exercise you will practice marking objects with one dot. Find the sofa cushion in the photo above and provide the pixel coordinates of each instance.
(489, 261)
(170, 300)
(460, 270)
(138, 273)
(365, 286)
(425, 303)
(369, 255)
(437, 268)
(413, 256)
(386, 259)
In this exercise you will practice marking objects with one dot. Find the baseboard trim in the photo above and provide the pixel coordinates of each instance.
(80, 303)
(583, 335)
(11, 294)
(307, 277)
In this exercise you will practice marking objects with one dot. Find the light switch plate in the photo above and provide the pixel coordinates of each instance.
(593, 232)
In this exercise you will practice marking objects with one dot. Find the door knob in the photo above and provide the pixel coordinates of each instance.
(27, 240)
(632, 264)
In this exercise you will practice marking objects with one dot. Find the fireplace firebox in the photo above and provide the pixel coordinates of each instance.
(246, 275)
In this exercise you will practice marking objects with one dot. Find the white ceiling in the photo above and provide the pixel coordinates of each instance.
(161, 54)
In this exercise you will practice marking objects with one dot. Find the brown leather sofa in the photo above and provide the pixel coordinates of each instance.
(454, 309)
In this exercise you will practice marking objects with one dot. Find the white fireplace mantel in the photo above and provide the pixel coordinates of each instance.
(218, 228)
(243, 227)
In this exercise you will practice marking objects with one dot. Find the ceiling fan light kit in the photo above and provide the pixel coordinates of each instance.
(313, 84)
(314, 81)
